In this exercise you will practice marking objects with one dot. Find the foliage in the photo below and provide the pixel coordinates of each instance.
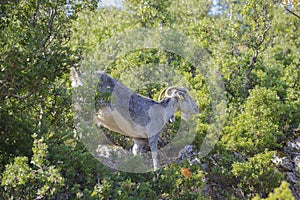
(41, 180)
(150, 13)
(282, 192)
(257, 127)
(170, 184)
(34, 55)
(258, 174)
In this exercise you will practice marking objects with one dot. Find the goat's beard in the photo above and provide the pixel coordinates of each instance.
(185, 116)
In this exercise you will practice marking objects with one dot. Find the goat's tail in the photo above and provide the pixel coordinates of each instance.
(75, 78)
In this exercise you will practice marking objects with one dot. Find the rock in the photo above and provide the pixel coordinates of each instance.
(297, 161)
(291, 177)
(293, 147)
(284, 163)
(189, 154)
(291, 165)
(186, 152)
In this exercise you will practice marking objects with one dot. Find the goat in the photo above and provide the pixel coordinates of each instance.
(136, 116)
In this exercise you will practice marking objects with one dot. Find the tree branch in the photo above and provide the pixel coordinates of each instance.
(291, 12)
(21, 97)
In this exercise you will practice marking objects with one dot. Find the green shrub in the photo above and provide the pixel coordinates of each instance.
(281, 193)
(41, 180)
(172, 183)
(258, 174)
(257, 127)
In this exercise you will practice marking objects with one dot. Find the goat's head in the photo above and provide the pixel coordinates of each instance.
(187, 104)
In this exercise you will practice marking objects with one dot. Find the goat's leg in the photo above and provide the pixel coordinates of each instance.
(138, 146)
(153, 146)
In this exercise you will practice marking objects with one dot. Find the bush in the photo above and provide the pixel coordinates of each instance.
(257, 127)
(258, 174)
(281, 193)
(171, 183)
(41, 180)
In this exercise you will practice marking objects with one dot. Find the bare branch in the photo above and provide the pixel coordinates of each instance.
(21, 97)
(293, 13)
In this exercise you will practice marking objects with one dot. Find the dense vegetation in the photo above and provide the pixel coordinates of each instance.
(254, 47)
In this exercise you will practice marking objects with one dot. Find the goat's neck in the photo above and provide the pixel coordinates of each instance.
(171, 105)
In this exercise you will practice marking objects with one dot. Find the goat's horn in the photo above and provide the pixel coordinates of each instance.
(166, 91)
(159, 97)
(175, 88)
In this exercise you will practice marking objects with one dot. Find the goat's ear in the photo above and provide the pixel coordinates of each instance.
(180, 95)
